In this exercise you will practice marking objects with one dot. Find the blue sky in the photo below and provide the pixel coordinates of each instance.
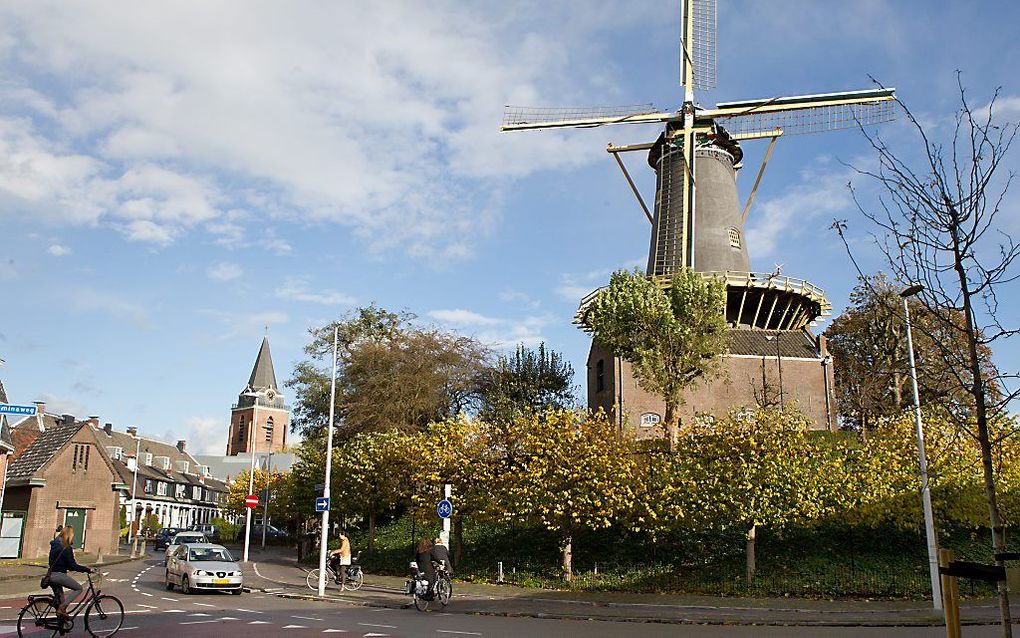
(175, 176)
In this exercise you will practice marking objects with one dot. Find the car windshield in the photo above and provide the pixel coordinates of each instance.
(210, 553)
(188, 538)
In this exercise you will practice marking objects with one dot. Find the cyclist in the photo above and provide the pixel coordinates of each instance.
(424, 559)
(61, 560)
(340, 560)
(441, 554)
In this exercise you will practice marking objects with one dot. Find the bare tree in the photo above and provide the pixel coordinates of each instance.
(937, 224)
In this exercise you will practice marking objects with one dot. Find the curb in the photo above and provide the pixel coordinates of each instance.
(114, 560)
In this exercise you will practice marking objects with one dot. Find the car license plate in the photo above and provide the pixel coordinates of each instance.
(220, 581)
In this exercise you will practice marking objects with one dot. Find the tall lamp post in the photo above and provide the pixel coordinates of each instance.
(251, 478)
(329, 469)
(265, 508)
(134, 486)
(929, 521)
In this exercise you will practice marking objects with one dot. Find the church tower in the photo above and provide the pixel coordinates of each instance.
(260, 418)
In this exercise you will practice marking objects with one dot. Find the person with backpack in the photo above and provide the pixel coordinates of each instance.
(61, 560)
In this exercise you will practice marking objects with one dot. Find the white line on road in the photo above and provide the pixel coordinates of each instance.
(127, 628)
(258, 622)
(295, 627)
(145, 593)
(307, 618)
(173, 611)
(147, 606)
(204, 605)
(379, 635)
(198, 622)
(196, 615)
(173, 600)
(334, 631)
(366, 624)
(459, 633)
(248, 611)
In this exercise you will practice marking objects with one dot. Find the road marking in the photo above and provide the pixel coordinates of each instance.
(145, 593)
(258, 622)
(127, 628)
(173, 600)
(204, 605)
(366, 624)
(147, 606)
(378, 635)
(248, 611)
(334, 631)
(460, 633)
(295, 627)
(307, 618)
(198, 622)
(173, 611)
(199, 614)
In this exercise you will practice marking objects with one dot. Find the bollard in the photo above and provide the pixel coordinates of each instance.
(99, 557)
(134, 551)
(950, 596)
(499, 572)
(141, 552)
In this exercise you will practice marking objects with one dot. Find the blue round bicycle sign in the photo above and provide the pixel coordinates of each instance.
(444, 508)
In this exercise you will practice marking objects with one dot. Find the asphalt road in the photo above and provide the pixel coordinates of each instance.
(153, 611)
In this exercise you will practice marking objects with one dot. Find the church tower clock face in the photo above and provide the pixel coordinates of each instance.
(270, 394)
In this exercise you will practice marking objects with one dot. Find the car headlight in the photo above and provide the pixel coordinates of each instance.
(201, 572)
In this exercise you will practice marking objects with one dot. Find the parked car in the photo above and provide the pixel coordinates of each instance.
(196, 567)
(211, 532)
(163, 537)
(273, 534)
(181, 538)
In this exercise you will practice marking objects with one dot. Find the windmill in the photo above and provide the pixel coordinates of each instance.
(697, 220)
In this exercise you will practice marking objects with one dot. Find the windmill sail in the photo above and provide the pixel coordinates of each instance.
(520, 118)
(805, 113)
(700, 48)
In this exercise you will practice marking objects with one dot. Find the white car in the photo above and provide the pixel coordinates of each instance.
(203, 567)
(179, 539)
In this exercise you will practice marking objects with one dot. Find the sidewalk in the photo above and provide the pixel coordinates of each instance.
(277, 572)
(20, 577)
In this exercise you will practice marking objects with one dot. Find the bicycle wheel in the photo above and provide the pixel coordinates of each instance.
(104, 616)
(312, 580)
(35, 616)
(443, 591)
(354, 582)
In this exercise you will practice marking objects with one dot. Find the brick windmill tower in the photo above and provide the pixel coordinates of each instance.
(698, 222)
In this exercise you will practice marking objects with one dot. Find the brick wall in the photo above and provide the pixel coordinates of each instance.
(281, 422)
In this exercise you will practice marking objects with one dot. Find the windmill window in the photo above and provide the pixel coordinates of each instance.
(734, 237)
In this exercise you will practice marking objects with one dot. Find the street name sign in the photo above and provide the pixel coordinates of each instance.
(251, 501)
(20, 410)
(322, 504)
(444, 508)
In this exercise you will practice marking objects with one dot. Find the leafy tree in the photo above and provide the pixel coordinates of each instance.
(391, 374)
(868, 343)
(526, 381)
(671, 333)
(238, 488)
(565, 470)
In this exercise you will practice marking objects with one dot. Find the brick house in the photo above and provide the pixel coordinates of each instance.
(62, 475)
(13, 528)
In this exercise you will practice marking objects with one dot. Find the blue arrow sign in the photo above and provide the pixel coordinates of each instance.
(20, 410)
(444, 508)
(322, 504)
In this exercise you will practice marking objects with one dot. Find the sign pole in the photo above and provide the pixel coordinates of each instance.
(447, 492)
(251, 480)
(329, 469)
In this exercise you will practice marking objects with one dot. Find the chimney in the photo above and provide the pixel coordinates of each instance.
(67, 419)
(132, 430)
(40, 407)
(132, 463)
(108, 428)
(182, 445)
(93, 420)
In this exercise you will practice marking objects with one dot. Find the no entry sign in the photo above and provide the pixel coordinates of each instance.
(251, 501)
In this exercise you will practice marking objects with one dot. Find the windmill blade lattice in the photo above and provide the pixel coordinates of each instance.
(810, 119)
(702, 48)
(542, 117)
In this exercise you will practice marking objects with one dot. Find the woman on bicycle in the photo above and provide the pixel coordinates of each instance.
(340, 559)
(61, 560)
(424, 559)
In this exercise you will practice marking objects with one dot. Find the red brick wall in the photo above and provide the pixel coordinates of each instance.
(281, 422)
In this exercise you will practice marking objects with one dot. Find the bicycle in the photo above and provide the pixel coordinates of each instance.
(418, 587)
(355, 577)
(104, 614)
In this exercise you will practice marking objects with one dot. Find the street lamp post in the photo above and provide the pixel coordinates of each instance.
(329, 469)
(265, 508)
(251, 478)
(929, 522)
(134, 486)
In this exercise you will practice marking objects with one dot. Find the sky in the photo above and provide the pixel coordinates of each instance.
(175, 177)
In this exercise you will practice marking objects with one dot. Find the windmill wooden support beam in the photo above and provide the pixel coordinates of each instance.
(757, 180)
(633, 187)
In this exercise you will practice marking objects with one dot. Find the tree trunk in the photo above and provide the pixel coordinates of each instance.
(672, 422)
(897, 390)
(458, 541)
(568, 557)
(750, 554)
(371, 532)
(977, 391)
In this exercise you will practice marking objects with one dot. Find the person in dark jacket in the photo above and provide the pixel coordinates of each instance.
(440, 553)
(424, 559)
(62, 560)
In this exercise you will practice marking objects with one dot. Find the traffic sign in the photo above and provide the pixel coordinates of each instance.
(322, 504)
(444, 508)
(20, 410)
(251, 501)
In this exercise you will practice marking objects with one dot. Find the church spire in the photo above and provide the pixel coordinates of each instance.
(262, 374)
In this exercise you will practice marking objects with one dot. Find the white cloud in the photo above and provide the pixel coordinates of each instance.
(299, 289)
(224, 271)
(246, 323)
(58, 250)
(63, 405)
(818, 193)
(204, 435)
(156, 120)
(89, 300)
(461, 317)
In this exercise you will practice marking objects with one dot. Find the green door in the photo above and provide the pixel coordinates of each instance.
(76, 519)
